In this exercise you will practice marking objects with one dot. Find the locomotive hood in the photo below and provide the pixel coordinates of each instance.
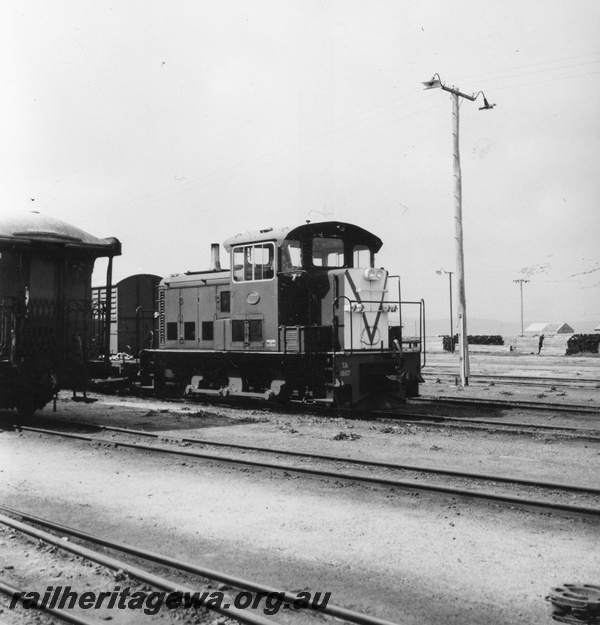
(25, 229)
(324, 228)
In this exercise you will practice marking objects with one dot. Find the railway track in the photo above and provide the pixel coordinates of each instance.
(510, 404)
(491, 425)
(425, 419)
(412, 416)
(524, 380)
(564, 493)
(196, 574)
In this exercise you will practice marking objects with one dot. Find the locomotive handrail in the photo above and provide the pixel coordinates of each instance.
(291, 272)
(399, 298)
(336, 305)
(420, 304)
(423, 333)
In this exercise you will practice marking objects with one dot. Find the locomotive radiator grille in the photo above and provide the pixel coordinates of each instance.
(291, 339)
(161, 316)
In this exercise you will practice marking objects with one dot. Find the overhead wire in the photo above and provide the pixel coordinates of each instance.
(491, 74)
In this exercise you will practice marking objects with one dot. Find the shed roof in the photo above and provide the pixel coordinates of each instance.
(549, 328)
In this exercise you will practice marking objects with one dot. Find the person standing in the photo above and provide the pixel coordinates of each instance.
(540, 343)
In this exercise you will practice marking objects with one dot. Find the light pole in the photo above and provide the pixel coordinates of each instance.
(439, 273)
(520, 283)
(436, 82)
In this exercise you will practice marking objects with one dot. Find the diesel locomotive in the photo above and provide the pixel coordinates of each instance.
(46, 310)
(302, 313)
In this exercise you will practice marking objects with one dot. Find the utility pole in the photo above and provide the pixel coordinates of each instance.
(463, 347)
(440, 272)
(520, 283)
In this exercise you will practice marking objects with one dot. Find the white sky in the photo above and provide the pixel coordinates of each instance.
(171, 124)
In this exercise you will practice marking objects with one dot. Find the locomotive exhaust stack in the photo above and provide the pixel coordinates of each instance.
(215, 260)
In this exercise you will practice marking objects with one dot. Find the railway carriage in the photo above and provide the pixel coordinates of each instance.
(132, 305)
(46, 312)
(302, 313)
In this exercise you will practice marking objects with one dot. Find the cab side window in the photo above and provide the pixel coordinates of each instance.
(253, 262)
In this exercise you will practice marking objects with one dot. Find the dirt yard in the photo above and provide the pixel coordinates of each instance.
(401, 556)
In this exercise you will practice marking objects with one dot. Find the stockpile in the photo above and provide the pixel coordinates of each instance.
(477, 339)
(583, 344)
(553, 345)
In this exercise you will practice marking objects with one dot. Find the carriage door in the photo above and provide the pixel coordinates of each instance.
(254, 298)
(181, 317)
(188, 330)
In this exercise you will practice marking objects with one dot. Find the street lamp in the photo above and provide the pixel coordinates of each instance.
(436, 83)
(520, 282)
(439, 273)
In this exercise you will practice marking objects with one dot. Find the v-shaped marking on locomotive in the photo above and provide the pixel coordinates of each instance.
(370, 330)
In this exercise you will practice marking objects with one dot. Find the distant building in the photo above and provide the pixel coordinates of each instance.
(597, 328)
(549, 329)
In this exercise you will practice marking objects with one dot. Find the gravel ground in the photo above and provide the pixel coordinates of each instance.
(402, 556)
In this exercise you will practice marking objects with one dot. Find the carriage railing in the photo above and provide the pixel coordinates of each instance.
(43, 329)
(8, 308)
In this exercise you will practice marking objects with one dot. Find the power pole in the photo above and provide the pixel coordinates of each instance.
(463, 343)
(463, 347)
(520, 283)
(440, 272)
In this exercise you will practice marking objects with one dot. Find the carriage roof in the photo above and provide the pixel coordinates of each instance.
(29, 228)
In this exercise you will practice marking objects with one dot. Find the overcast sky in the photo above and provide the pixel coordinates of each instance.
(171, 124)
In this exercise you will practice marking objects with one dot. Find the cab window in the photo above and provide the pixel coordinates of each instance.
(327, 252)
(291, 256)
(253, 262)
(361, 256)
